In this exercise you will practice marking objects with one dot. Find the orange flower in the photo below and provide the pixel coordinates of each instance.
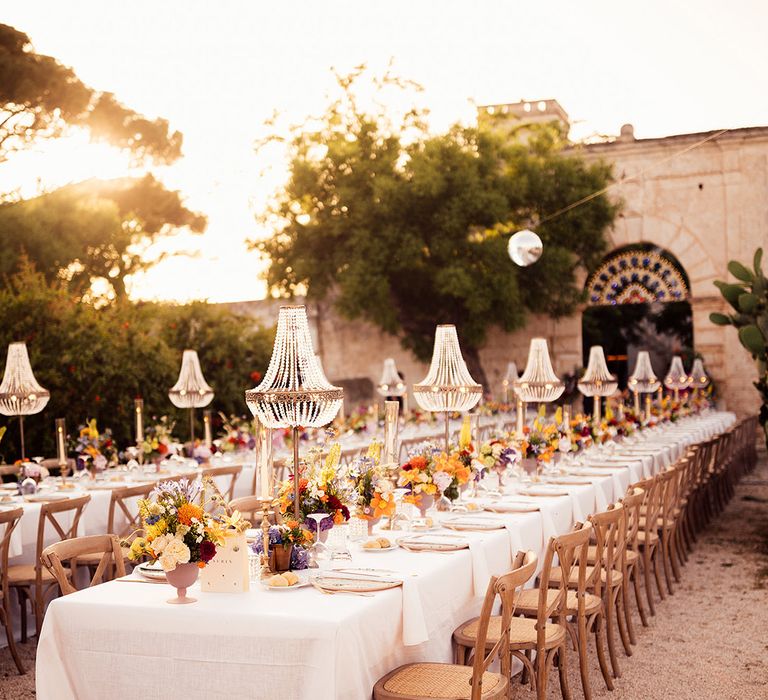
(419, 462)
(382, 507)
(189, 511)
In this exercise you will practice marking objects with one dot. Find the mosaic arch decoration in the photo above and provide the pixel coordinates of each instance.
(636, 276)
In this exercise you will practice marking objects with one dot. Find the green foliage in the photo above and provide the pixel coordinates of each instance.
(92, 230)
(408, 229)
(749, 298)
(96, 361)
(40, 98)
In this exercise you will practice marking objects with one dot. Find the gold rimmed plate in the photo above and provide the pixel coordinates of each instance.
(432, 543)
(353, 583)
(472, 524)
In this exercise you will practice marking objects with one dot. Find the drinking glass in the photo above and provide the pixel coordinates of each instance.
(319, 554)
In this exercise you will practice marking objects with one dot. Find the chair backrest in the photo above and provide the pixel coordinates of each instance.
(652, 504)
(668, 480)
(572, 550)
(118, 503)
(54, 513)
(507, 588)
(633, 504)
(9, 519)
(252, 508)
(610, 531)
(233, 471)
(69, 550)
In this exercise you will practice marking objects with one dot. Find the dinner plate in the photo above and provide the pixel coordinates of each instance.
(543, 490)
(432, 543)
(380, 550)
(10, 487)
(302, 583)
(151, 571)
(512, 507)
(472, 524)
(586, 472)
(355, 583)
(45, 497)
(568, 480)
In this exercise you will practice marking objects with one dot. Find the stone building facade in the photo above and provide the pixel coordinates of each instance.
(706, 203)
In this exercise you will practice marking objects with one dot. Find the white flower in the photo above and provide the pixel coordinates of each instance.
(564, 445)
(178, 550)
(442, 480)
(168, 562)
(160, 543)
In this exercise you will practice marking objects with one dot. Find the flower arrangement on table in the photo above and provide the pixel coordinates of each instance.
(373, 490)
(416, 476)
(539, 442)
(158, 440)
(496, 455)
(292, 538)
(323, 488)
(283, 438)
(451, 471)
(176, 529)
(418, 417)
(95, 451)
(236, 435)
(357, 421)
(494, 408)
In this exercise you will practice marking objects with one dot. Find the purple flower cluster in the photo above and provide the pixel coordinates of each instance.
(183, 488)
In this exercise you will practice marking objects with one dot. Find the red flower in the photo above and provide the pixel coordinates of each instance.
(255, 376)
(162, 448)
(207, 550)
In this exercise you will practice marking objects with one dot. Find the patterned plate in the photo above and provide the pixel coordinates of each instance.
(472, 524)
(355, 583)
(432, 543)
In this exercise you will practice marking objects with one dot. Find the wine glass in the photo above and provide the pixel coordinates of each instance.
(319, 554)
(399, 514)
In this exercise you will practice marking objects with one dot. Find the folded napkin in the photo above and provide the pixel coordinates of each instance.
(414, 625)
(480, 572)
(515, 542)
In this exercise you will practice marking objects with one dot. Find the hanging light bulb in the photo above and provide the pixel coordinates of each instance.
(525, 248)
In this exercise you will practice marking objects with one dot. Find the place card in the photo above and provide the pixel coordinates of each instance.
(227, 572)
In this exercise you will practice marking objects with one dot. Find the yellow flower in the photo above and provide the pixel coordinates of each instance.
(137, 548)
(157, 529)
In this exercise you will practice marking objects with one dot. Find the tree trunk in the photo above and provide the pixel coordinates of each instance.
(475, 367)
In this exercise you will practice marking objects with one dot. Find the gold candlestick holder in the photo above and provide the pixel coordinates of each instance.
(266, 570)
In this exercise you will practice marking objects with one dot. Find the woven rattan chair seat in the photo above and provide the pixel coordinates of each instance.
(25, 574)
(641, 538)
(425, 680)
(573, 580)
(528, 602)
(522, 632)
(592, 556)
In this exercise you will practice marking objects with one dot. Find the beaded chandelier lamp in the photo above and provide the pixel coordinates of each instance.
(597, 381)
(643, 380)
(190, 390)
(677, 378)
(448, 385)
(294, 392)
(539, 383)
(20, 394)
(509, 379)
(699, 378)
(390, 383)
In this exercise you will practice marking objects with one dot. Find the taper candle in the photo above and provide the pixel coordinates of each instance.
(61, 448)
(208, 427)
(520, 416)
(648, 402)
(139, 409)
(391, 410)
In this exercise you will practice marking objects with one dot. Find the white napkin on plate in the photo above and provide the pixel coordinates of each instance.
(414, 625)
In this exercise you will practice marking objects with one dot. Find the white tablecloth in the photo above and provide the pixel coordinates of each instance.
(121, 639)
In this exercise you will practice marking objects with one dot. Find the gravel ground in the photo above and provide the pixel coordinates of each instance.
(709, 640)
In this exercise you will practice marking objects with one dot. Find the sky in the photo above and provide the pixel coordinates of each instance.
(218, 70)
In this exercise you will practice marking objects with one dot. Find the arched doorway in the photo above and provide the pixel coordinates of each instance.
(638, 299)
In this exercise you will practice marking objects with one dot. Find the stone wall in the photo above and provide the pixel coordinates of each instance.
(707, 206)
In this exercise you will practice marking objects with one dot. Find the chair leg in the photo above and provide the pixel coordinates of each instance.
(541, 675)
(677, 557)
(23, 613)
(609, 615)
(621, 621)
(666, 558)
(638, 597)
(583, 663)
(657, 566)
(601, 654)
(5, 618)
(39, 603)
(647, 565)
(562, 669)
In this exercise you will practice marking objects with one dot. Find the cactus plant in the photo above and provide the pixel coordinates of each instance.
(749, 299)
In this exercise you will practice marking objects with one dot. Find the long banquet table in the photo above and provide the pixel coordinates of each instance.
(120, 640)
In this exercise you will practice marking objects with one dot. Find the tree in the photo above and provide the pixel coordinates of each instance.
(96, 361)
(93, 230)
(40, 98)
(407, 229)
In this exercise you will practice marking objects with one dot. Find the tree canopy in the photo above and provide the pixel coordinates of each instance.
(40, 97)
(408, 229)
(92, 230)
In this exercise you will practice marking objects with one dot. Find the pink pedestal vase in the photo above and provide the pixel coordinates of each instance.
(181, 578)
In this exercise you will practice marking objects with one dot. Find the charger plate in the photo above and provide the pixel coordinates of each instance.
(568, 480)
(432, 543)
(542, 490)
(354, 583)
(45, 498)
(512, 507)
(472, 524)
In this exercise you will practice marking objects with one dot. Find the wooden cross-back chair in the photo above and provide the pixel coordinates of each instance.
(26, 577)
(9, 519)
(105, 547)
(420, 681)
(632, 503)
(252, 508)
(648, 535)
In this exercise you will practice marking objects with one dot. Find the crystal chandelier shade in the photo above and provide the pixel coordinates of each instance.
(448, 385)
(539, 383)
(699, 377)
(643, 380)
(294, 391)
(511, 376)
(20, 394)
(597, 380)
(390, 383)
(191, 389)
(677, 378)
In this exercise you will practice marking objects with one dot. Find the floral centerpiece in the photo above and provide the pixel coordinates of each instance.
(452, 471)
(539, 442)
(497, 455)
(357, 421)
(176, 530)
(416, 476)
(323, 488)
(95, 451)
(236, 435)
(288, 544)
(158, 440)
(373, 490)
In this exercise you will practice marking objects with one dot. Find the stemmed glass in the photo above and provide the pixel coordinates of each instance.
(319, 554)
(399, 514)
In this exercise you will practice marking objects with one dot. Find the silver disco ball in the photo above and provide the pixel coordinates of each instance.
(525, 248)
